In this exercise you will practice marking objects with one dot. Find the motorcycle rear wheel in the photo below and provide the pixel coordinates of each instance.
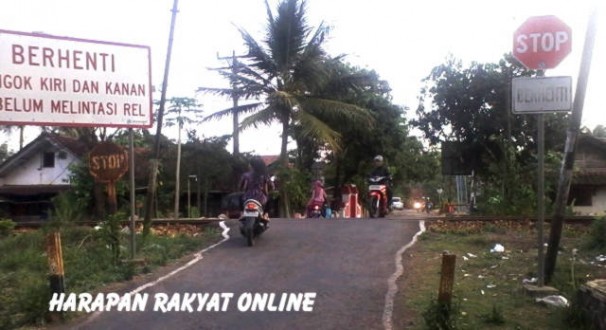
(249, 232)
(375, 209)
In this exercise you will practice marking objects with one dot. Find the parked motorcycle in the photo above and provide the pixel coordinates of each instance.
(252, 223)
(377, 196)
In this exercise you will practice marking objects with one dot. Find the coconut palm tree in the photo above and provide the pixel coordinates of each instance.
(287, 70)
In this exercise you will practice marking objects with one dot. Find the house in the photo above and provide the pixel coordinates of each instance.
(588, 187)
(30, 178)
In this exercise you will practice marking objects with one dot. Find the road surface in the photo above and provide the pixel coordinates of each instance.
(322, 274)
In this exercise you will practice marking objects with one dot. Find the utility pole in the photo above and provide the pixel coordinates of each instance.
(569, 150)
(153, 175)
(235, 95)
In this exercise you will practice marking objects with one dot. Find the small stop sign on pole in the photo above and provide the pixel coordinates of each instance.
(542, 42)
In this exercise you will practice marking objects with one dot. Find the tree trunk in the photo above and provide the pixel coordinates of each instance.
(21, 136)
(234, 113)
(99, 195)
(285, 211)
(178, 174)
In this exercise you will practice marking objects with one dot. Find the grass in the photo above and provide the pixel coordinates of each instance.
(88, 265)
(488, 289)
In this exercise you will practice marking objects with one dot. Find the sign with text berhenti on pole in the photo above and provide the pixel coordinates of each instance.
(59, 81)
(541, 94)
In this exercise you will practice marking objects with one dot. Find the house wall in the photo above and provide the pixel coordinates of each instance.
(589, 158)
(598, 205)
(32, 172)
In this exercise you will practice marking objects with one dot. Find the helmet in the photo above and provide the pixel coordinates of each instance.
(378, 158)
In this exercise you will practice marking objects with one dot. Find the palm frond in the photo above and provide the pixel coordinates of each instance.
(313, 127)
(257, 55)
(241, 109)
(215, 91)
(336, 111)
(265, 116)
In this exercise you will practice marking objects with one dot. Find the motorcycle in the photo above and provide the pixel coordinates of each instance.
(316, 210)
(252, 223)
(377, 196)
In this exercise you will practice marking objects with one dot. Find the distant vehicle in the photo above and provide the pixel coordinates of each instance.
(396, 203)
(232, 204)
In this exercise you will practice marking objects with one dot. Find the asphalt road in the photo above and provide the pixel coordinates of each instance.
(334, 274)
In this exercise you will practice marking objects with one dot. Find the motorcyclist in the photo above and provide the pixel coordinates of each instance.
(255, 183)
(318, 195)
(380, 169)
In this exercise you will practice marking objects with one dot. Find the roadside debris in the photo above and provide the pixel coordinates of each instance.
(533, 280)
(498, 248)
(555, 300)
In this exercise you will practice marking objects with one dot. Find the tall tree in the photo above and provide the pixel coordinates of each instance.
(285, 70)
(471, 105)
(181, 111)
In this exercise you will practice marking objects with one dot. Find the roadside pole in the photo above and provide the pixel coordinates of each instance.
(539, 95)
(131, 147)
(55, 263)
(569, 151)
(541, 195)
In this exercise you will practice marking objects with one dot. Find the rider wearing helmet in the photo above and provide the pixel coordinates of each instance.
(380, 169)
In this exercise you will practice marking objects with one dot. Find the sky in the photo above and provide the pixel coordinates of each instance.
(401, 40)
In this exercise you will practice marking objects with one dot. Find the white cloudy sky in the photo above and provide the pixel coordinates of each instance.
(401, 40)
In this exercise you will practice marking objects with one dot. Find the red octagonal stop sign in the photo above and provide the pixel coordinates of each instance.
(542, 42)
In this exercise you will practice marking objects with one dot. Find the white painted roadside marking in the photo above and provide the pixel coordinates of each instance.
(197, 257)
(392, 287)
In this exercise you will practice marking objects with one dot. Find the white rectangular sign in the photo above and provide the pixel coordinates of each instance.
(541, 94)
(58, 81)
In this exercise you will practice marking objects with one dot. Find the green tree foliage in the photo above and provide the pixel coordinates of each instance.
(471, 105)
(287, 70)
(386, 134)
(213, 166)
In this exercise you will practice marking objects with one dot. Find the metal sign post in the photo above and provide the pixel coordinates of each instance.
(541, 43)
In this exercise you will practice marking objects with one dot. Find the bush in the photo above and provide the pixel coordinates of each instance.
(89, 262)
(597, 235)
(6, 227)
(441, 316)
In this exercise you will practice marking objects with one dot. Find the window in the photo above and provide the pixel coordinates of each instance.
(48, 159)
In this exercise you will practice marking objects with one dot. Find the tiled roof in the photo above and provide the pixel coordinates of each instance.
(77, 147)
(270, 159)
(593, 177)
(74, 146)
